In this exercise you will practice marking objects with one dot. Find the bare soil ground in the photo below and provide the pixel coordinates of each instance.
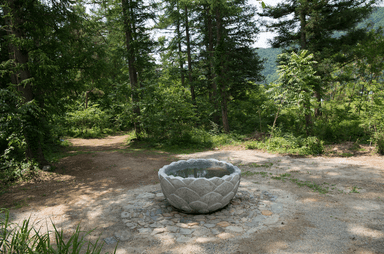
(85, 187)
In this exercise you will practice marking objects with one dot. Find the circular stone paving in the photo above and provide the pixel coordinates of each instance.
(250, 210)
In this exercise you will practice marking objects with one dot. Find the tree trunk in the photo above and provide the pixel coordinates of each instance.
(308, 120)
(133, 76)
(211, 74)
(303, 44)
(179, 47)
(318, 106)
(220, 70)
(187, 37)
(303, 23)
(21, 79)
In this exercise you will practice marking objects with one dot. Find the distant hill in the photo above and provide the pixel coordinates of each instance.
(270, 54)
(377, 18)
(270, 65)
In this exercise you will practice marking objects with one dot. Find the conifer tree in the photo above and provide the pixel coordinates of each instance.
(311, 25)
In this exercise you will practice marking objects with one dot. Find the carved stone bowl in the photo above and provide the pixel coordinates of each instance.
(199, 195)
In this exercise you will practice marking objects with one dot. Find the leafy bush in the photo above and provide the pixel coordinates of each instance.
(91, 122)
(26, 239)
(168, 116)
(337, 131)
(379, 141)
(15, 121)
(312, 145)
(288, 143)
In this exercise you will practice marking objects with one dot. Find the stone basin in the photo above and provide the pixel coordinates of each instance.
(201, 194)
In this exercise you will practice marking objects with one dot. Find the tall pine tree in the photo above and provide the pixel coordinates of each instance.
(311, 25)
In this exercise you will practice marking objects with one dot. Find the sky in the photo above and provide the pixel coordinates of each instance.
(262, 38)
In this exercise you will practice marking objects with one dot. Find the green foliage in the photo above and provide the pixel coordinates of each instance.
(379, 141)
(14, 116)
(167, 115)
(26, 239)
(251, 112)
(271, 54)
(288, 143)
(91, 122)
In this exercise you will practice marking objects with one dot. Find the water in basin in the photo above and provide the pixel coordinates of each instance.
(201, 172)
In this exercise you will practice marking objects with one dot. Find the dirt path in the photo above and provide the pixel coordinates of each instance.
(94, 184)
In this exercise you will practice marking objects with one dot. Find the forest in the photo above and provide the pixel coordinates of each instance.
(270, 73)
(179, 73)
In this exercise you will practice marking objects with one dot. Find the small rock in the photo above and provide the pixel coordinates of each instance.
(145, 230)
(216, 231)
(225, 236)
(185, 231)
(158, 231)
(234, 229)
(110, 240)
(266, 212)
(209, 225)
(182, 225)
(223, 224)
(124, 235)
(125, 215)
(141, 223)
(172, 229)
(202, 232)
(154, 225)
(183, 239)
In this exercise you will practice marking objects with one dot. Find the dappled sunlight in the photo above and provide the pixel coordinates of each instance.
(205, 239)
(315, 177)
(187, 248)
(246, 183)
(365, 231)
(278, 245)
(309, 200)
(366, 206)
(122, 251)
(94, 213)
(333, 173)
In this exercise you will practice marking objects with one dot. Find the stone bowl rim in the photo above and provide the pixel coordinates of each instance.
(163, 174)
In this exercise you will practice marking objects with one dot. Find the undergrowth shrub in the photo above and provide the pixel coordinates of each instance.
(25, 238)
(338, 131)
(379, 141)
(91, 122)
(17, 119)
(288, 143)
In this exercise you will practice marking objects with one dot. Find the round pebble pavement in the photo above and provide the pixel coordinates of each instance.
(250, 210)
